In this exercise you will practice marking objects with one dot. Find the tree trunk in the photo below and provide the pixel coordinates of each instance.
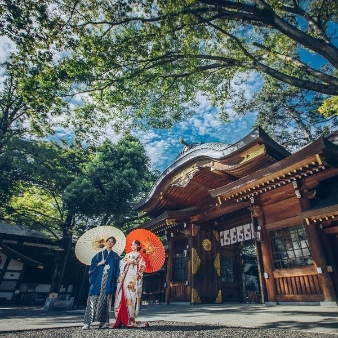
(62, 256)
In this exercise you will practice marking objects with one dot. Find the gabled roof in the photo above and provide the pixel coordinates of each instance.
(204, 167)
(18, 242)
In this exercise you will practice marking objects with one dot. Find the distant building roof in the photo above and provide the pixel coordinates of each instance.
(13, 229)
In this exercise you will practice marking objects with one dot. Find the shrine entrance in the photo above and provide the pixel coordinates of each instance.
(239, 268)
(232, 289)
(239, 273)
(179, 286)
(250, 276)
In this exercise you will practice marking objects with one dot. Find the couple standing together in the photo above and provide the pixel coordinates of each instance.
(104, 270)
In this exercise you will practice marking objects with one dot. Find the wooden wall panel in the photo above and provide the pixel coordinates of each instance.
(179, 292)
(281, 210)
(276, 195)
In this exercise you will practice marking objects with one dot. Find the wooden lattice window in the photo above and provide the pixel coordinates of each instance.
(290, 247)
(180, 268)
(227, 269)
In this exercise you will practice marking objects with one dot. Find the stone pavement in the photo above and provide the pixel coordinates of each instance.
(316, 319)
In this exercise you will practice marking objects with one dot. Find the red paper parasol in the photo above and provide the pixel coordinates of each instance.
(152, 248)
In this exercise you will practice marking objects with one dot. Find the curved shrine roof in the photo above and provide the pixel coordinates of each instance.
(202, 167)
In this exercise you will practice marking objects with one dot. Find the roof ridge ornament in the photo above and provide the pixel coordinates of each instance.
(183, 142)
(187, 146)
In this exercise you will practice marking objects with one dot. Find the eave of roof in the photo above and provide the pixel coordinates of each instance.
(329, 213)
(17, 255)
(325, 210)
(169, 219)
(305, 162)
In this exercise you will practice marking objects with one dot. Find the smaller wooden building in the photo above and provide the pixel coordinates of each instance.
(215, 201)
(27, 261)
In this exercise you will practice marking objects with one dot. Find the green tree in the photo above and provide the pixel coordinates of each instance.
(19, 121)
(67, 190)
(111, 183)
(49, 170)
(289, 114)
(330, 107)
(12, 131)
(12, 159)
(30, 24)
(144, 62)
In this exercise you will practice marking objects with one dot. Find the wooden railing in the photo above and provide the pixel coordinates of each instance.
(299, 284)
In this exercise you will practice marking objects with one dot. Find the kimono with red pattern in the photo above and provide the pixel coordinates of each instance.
(129, 291)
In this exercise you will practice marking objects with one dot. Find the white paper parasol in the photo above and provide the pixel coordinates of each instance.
(94, 240)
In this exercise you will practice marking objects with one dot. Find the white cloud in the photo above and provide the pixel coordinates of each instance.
(7, 46)
(159, 146)
(163, 145)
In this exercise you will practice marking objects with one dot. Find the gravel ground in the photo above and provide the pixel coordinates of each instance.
(163, 329)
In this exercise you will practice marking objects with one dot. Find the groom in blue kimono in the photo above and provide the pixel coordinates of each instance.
(103, 273)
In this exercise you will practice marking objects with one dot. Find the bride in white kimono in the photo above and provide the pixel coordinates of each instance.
(129, 289)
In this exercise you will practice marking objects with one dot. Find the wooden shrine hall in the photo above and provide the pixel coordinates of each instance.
(216, 201)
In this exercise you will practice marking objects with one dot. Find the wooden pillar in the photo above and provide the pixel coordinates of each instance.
(265, 263)
(191, 277)
(318, 255)
(169, 270)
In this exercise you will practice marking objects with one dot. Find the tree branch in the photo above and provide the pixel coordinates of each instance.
(304, 67)
(263, 12)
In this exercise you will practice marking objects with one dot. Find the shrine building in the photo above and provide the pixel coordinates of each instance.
(249, 222)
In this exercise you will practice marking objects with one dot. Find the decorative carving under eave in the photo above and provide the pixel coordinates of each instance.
(195, 298)
(219, 297)
(253, 152)
(170, 222)
(187, 233)
(195, 261)
(217, 265)
(255, 210)
(206, 244)
(141, 213)
(194, 229)
(216, 234)
(329, 218)
(184, 177)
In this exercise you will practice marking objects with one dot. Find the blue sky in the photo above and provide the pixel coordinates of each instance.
(163, 146)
